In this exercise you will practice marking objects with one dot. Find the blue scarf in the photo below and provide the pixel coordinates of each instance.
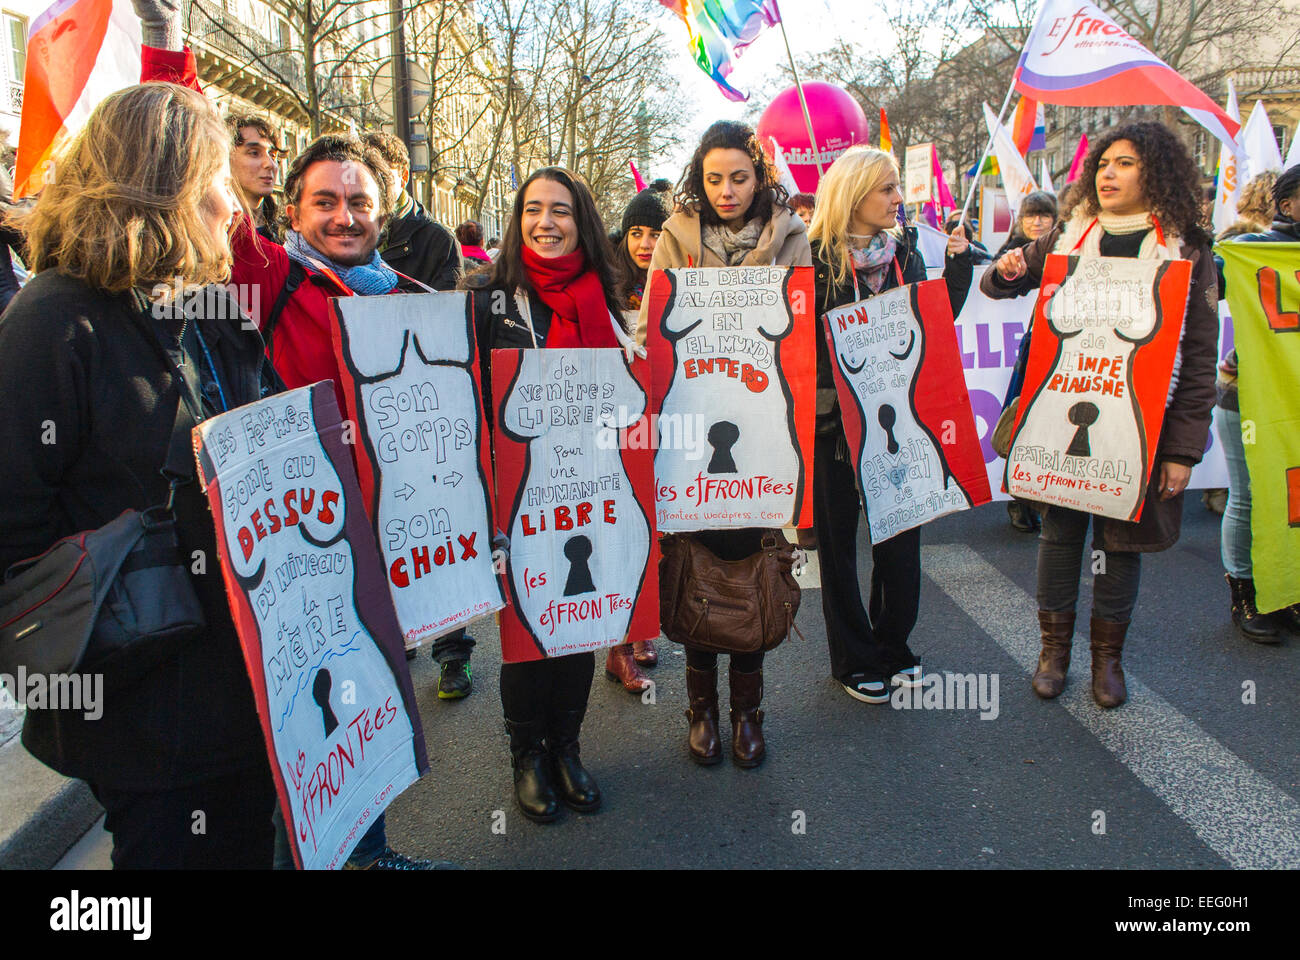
(875, 259)
(365, 279)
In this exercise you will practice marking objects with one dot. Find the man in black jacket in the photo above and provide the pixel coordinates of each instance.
(415, 244)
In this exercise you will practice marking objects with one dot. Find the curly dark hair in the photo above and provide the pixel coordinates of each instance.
(731, 135)
(1169, 178)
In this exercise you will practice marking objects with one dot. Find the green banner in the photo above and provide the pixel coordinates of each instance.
(1263, 287)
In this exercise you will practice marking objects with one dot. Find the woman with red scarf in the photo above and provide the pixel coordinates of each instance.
(551, 286)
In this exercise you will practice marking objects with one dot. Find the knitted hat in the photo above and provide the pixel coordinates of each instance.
(649, 208)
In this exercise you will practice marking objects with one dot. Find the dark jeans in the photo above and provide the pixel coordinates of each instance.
(871, 642)
(454, 646)
(162, 830)
(536, 689)
(1060, 556)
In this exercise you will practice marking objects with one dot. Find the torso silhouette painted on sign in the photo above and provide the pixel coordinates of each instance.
(333, 705)
(413, 367)
(579, 537)
(728, 447)
(903, 469)
(1081, 433)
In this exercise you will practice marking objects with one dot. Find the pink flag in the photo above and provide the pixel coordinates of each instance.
(1077, 163)
(636, 176)
(1078, 56)
(946, 201)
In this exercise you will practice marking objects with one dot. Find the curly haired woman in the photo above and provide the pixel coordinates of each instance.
(1144, 202)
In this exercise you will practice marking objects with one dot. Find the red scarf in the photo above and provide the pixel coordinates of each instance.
(579, 314)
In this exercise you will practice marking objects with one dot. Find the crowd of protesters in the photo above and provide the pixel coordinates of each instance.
(157, 186)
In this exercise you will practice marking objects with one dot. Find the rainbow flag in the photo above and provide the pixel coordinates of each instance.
(1029, 127)
(720, 30)
(78, 52)
(886, 141)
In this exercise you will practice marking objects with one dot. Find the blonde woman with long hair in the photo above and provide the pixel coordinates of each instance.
(141, 201)
(859, 250)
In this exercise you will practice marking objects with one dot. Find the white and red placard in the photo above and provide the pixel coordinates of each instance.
(320, 639)
(410, 372)
(734, 371)
(575, 493)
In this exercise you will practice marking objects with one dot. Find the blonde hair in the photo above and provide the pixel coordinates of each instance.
(854, 174)
(125, 207)
(1256, 201)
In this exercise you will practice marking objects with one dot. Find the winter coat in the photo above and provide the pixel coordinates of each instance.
(422, 248)
(783, 242)
(90, 365)
(957, 274)
(498, 329)
(1187, 414)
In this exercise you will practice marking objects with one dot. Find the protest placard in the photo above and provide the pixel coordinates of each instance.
(1263, 287)
(734, 378)
(411, 381)
(906, 415)
(320, 639)
(574, 488)
(1101, 355)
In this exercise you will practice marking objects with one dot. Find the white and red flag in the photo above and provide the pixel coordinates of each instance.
(78, 52)
(1080, 57)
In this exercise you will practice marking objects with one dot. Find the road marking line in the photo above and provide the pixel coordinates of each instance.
(1235, 811)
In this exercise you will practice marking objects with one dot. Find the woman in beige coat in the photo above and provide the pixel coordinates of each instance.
(731, 212)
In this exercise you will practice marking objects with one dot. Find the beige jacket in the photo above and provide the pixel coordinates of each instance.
(783, 242)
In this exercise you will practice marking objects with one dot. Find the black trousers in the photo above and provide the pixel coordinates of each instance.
(454, 646)
(537, 689)
(1060, 561)
(220, 824)
(871, 642)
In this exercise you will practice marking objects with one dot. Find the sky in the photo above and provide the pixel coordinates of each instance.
(812, 25)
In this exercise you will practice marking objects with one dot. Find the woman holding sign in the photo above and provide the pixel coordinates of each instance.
(731, 212)
(1141, 200)
(860, 251)
(551, 286)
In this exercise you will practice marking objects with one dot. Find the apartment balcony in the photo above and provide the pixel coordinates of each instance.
(1281, 82)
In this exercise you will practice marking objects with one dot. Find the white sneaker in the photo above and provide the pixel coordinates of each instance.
(866, 689)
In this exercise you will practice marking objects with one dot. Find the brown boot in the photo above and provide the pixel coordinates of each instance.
(1107, 678)
(620, 665)
(747, 746)
(644, 652)
(702, 688)
(1054, 658)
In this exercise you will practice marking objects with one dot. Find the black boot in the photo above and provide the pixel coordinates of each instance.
(533, 790)
(1253, 624)
(576, 786)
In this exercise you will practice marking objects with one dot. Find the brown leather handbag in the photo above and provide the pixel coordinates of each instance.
(727, 606)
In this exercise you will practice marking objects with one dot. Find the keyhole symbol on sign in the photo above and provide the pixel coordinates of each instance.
(888, 417)
(578, 551)
(722, 437)
(320, 692)
(1082, 415)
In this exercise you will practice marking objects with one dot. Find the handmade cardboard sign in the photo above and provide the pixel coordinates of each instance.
(320, 639)
(1263, 286)
(574, 475)
(411, 380)
(734, 380)
(907, 418)
(1101, 355)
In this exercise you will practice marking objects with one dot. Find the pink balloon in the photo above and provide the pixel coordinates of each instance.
(837, 120)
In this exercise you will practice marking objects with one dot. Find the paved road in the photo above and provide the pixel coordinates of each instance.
(1185, 776)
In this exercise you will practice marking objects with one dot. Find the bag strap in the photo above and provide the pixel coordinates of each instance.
(297, 273)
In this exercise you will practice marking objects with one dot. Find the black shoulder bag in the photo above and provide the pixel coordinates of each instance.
(115, 600)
